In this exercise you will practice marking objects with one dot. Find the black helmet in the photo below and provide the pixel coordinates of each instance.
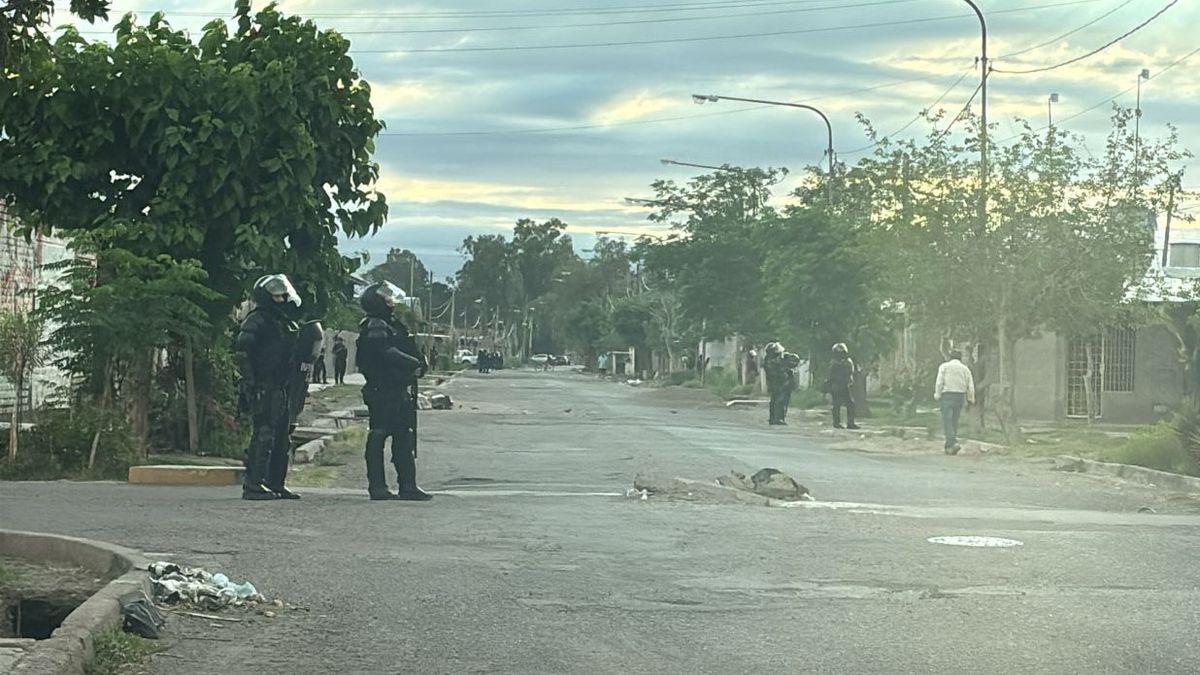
(275, 291)
(381, 298)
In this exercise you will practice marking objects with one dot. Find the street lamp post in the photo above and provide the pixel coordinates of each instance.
(1049, 110)
(983, 129)
(706, 98)
(667, 162)
(1137, 125)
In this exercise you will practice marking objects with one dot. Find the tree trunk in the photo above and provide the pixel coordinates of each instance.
(1003, 392)
(1089, 394)
(189, 375)
(139, 403)
(15, 424)
(106, 387)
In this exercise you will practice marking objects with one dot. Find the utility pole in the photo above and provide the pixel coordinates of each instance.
(983, 129)
(1137, 129)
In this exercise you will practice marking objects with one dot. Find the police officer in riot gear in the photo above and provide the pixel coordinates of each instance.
(780, 369)
(264, 358)
(841, 376)
(389, 359)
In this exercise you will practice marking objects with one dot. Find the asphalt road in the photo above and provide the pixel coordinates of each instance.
(528, 562)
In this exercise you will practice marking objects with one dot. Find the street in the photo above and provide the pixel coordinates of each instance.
(532, 560)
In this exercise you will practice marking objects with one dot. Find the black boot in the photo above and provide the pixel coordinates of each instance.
(284, 493)
(257, 492)
(406, 470)
(384, 496)
(376, 478)
(850, 417)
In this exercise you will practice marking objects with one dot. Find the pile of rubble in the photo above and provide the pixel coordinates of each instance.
(764, 488)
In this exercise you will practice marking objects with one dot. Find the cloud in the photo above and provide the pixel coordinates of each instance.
(632, 106)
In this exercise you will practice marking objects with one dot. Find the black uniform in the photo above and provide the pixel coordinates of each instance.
(841, 375)
(391, 362)
(341, 357)
(263, 353)
(781, 380)
(318, 372)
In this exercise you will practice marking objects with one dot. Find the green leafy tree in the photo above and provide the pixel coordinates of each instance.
(117, 311)
(21, 351)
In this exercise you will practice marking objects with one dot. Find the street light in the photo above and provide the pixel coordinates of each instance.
(667, 162)
(701, 99)
(1049, 111)
(1137, 124)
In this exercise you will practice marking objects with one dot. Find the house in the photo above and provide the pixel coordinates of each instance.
(1136, 375)
(23, 274)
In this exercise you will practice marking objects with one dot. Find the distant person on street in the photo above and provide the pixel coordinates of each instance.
(341, 356)
(318, 374)
(955, 387)
(481, 361)
(841, 377)
(778, 383)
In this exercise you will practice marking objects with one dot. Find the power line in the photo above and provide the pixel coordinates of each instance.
(631, 22)
(1114, 97)
(1092, 53)
(595, 24)
(657, 120)
(710, 38)
(1068, 33)
(502, 14)
(915, 118)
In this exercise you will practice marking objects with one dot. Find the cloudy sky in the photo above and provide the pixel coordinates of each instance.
(561, 108)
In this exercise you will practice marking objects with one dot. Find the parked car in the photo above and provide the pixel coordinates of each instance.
(560, 360)
(466, 357)
(539, 359)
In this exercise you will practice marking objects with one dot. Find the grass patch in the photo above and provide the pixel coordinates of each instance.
(312, 476)
(7, 576)
(1156, 447)
(115, 650)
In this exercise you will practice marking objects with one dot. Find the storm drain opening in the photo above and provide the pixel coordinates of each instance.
(38, 617)
(975, 541)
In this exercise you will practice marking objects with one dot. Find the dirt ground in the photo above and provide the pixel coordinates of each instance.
(35, 597)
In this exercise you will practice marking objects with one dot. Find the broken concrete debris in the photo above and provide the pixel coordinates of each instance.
(735, 487)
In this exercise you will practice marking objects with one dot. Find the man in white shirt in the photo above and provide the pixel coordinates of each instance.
(955, 387)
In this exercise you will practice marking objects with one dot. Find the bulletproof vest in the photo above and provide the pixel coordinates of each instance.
(376, 336)
(271, 355)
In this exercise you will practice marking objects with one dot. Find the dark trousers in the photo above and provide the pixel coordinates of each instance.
(780, 399)
(270, 442)
(952, 407)
(393, 414)
(318, 373)
(339, 371)
(843, 399)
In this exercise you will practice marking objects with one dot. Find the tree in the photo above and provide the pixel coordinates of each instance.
(487, 281)
(1003, 280)
(20, 352)
(23, 22)
(713, 262)
(404, 269)
(821, 287)
(248, 152)
(103, 325)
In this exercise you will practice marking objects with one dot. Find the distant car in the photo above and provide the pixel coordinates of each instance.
(540, 359)
(466, 357)
(560, 360)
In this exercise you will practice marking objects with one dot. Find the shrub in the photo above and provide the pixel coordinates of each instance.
(722, 382)
(805, 398)
(59, 446)
(1156, 447)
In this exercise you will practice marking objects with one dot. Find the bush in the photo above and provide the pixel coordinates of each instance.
(1156, 447)
(58, 447)
(805, 398)
(722, 382)
(678, 378)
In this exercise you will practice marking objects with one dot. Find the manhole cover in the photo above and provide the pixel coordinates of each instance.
(975, 541)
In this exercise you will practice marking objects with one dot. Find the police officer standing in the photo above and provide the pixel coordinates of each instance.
(263, 354)
(389, 359)
(777, 383)
(841, 375)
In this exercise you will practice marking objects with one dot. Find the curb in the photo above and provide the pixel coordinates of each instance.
(70, 646)
(1130, 472)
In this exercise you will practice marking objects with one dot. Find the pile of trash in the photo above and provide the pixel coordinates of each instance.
(192, 585)
(771, 483)
(438, 401)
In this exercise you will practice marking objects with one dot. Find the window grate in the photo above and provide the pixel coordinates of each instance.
(1077, 369)
(1119, 351)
